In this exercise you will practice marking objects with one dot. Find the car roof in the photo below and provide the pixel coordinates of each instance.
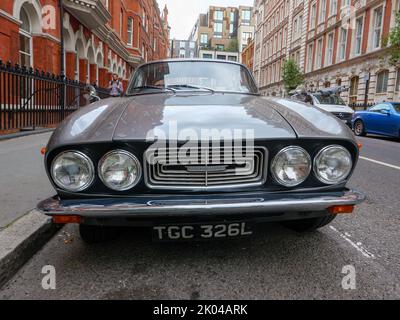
(193, 60)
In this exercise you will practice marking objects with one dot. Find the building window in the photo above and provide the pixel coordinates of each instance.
(218, 15)
(218, 29)
(329, 56)
(382, 81)
(203, 38)
(313, 16)
(219, 47)
(322, 11)
(130, 32)
(207, 56)
(342, 43)
(353, 89)
(221, 57)
(25, 40)
(297, 24)
(359, 32)
(310, 57)
(121, 21)
(246, 17)
(333, 7)
(319, 54)
(378, 20)
(232, 58)
(397, 88)
(346, 3)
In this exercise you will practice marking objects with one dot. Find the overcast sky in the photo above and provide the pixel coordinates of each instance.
(184, 13)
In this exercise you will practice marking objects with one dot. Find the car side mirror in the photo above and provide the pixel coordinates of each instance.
(387, 112)
(93, 96)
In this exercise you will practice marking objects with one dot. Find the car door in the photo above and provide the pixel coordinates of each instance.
(379, 119)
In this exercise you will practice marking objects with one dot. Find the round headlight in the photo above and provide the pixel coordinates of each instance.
(333, 164)
(72, 171)
(291, 166)
(120, 170)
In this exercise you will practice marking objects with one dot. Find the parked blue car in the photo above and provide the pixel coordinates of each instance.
(382, 119)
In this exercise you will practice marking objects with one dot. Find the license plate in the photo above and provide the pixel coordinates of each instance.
(193, 232)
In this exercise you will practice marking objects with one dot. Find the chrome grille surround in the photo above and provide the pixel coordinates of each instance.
(207, 174)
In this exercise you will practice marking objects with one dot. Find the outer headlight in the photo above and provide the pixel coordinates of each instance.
(333, 164)
(120, 170)
(291, 166)
(72, 171)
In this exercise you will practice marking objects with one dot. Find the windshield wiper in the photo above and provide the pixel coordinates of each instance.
(154, 87)
(187, 86)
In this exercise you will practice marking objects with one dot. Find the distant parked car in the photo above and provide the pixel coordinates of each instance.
(327, 99)
(382, 119)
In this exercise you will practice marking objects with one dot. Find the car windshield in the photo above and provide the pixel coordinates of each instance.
(396, 107)
(192, 76)
(332, 99)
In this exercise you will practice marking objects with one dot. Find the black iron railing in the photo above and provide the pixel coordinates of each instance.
(361, 106)
(30, 98)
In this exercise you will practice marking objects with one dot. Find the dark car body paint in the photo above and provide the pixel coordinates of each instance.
(132, 118)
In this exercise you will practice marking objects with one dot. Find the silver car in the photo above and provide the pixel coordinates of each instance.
(195, 153)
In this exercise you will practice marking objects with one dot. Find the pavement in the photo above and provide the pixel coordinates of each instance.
(23, 179)
(275, 264)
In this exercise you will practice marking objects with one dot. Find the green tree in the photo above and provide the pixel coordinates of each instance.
(233, 46)
(292, 75)
(394, 41)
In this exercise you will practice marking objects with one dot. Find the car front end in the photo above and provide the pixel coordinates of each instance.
(197, 163)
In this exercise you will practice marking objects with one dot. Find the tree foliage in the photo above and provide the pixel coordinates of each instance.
(292, 75)
(394, 41)
(233, 46)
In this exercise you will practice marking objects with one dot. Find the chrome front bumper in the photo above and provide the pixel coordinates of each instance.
(200, 205)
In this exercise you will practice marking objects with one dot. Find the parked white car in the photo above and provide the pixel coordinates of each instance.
(329, 100)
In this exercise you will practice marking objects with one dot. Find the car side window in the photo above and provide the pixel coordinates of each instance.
(379, 108)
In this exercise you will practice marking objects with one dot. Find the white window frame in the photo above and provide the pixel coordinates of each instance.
(375, 45)
(358, 38)
(342, 45)
(333, 4)
(322, 11)
(310, 53)
(318, 60)
(386, 79)
(130, 32)
(329, 49)
(313, 15)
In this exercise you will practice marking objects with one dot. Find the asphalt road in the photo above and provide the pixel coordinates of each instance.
(23, 180)
(275, 264)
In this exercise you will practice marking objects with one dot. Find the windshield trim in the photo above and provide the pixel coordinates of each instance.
(256, 93)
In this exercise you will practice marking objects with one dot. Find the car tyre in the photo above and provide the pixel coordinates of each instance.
(309, 225)
(359, 128)
(97, 234)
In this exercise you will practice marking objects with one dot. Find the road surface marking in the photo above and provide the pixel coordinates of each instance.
(357, 245)
(381, 163)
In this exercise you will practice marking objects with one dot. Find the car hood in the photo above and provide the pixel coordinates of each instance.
(176, 117)
(182, 116)
(335, 108)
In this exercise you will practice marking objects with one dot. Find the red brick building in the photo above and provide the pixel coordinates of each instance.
(248, 55)
(101, 37)
(334, 42)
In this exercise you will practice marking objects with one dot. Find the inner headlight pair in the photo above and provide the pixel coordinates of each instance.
(73, 171)
(292, 165)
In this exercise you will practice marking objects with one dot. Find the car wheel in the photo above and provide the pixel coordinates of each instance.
(308, 225)
(96, 234)
(359, 129)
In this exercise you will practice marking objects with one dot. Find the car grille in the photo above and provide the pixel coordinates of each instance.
(212, 170)
(343, 115)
